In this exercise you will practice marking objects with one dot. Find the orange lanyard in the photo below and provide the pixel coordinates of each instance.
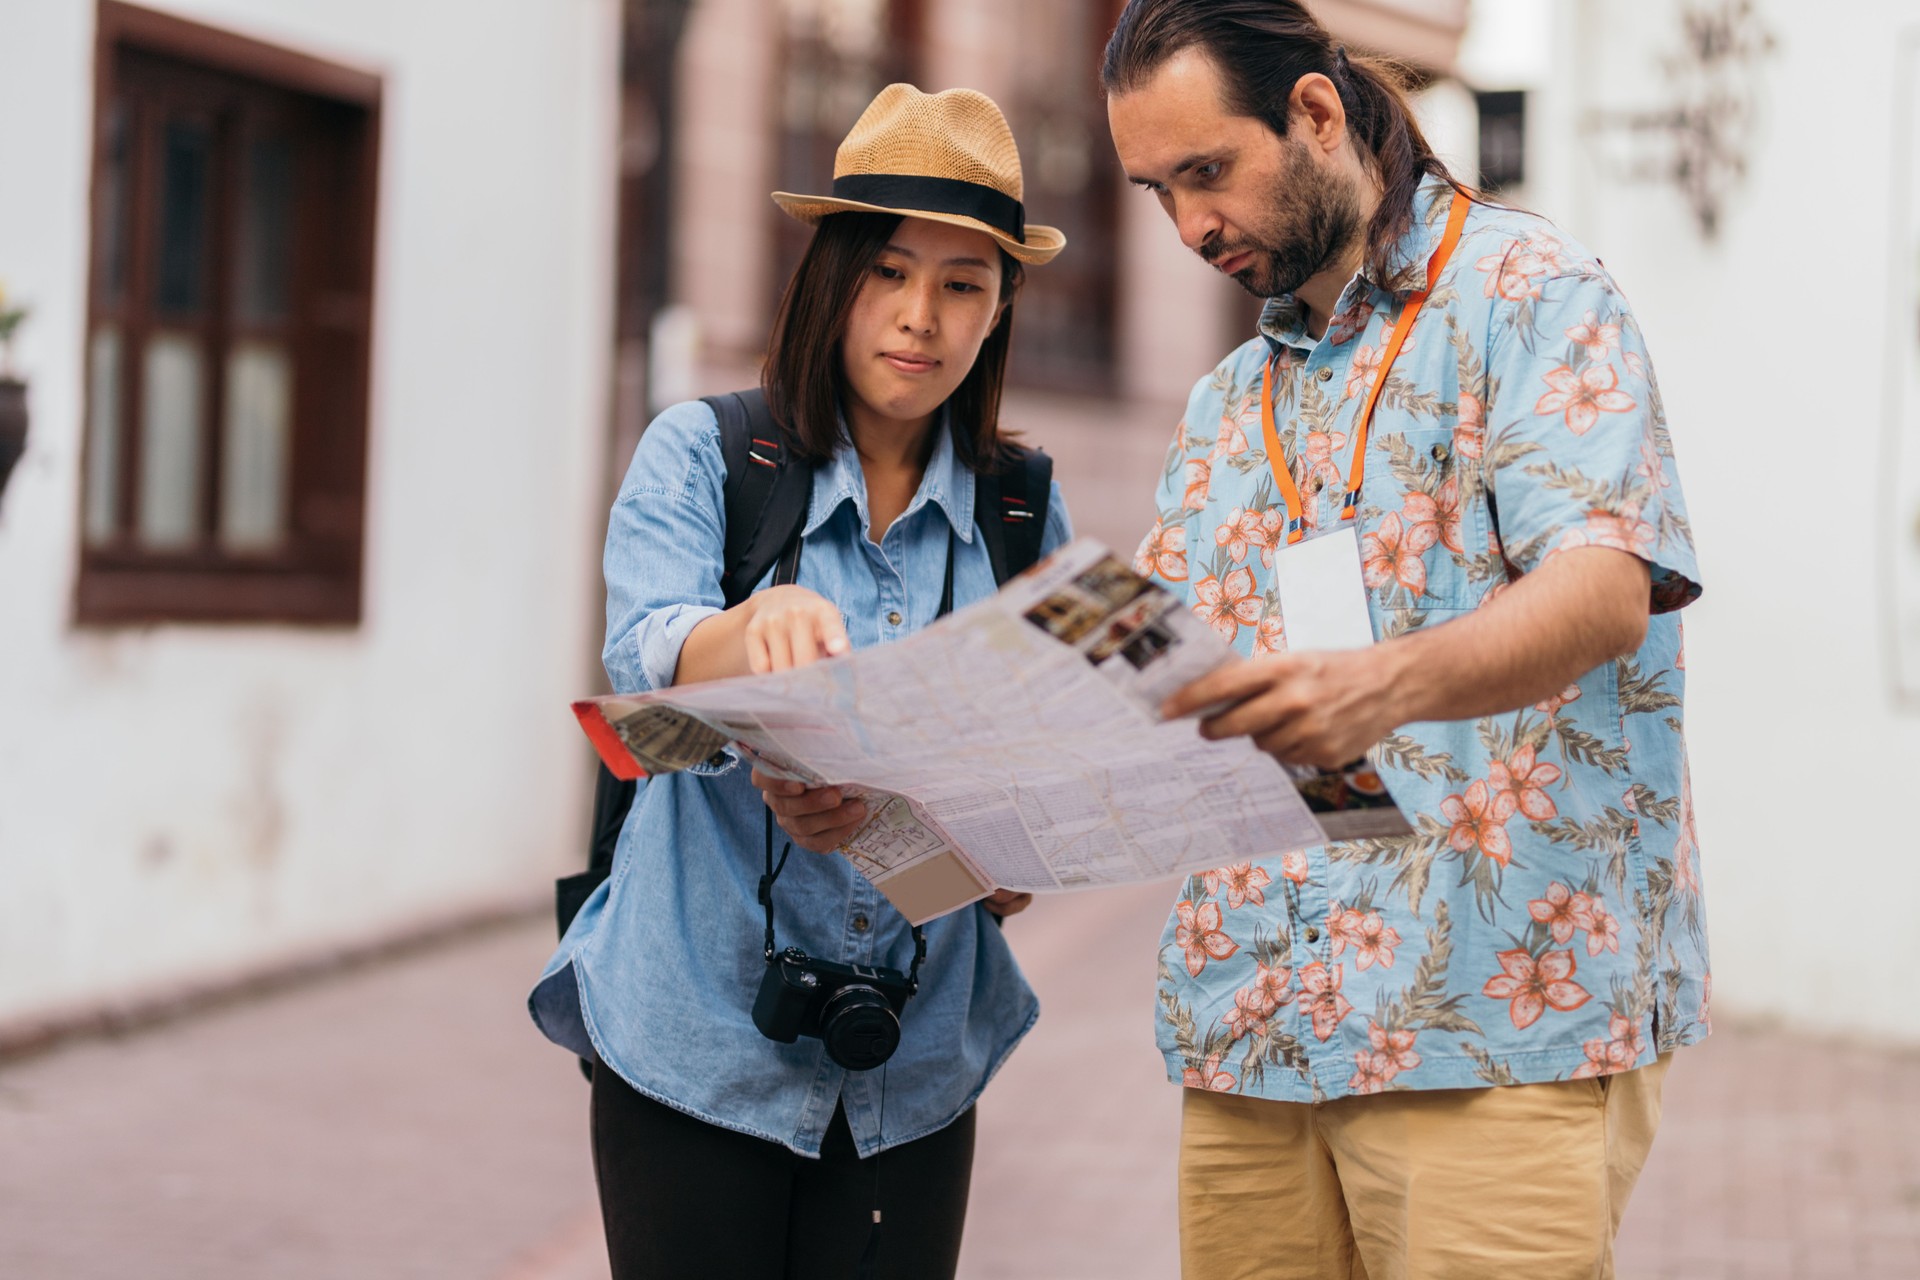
(1276, 456)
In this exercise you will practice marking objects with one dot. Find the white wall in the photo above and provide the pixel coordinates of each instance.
(1773, 349)
(181, 803)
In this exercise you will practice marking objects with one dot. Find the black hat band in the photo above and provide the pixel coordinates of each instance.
(936, 195)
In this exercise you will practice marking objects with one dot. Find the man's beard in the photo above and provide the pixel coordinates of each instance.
(1323, 224)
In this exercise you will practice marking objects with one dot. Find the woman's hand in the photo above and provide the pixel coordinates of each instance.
(1005, 902)
(790, 626)
(820, 819)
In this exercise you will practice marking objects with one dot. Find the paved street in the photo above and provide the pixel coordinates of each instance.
(405, 1121)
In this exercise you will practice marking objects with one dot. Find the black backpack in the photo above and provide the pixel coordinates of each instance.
(768, 491)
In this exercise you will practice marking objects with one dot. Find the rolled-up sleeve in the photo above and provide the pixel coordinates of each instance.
(665, 543)
(1578, 453)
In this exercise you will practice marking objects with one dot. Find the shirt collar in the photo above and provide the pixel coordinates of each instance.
(947, 484)
(1283, 320)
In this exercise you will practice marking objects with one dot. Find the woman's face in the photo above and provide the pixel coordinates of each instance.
(928, 302)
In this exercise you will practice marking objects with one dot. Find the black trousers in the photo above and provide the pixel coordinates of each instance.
(681, 1197)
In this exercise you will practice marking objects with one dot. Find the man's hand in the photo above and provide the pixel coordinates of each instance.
(819, 819)
(1580, 608)
(1005, 902)
(1321, 708)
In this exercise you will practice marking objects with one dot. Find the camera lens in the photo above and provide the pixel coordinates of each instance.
(859, 1027)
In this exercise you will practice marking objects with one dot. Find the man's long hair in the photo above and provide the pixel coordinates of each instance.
(1262, 47)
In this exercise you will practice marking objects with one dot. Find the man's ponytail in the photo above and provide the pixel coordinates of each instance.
(1374, 93)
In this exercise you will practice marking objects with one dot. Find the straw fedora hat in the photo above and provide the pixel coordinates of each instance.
(948, 157)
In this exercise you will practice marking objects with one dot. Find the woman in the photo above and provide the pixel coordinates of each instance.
(720, 1151)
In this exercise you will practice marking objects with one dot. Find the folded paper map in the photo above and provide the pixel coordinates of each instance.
(1013, 744)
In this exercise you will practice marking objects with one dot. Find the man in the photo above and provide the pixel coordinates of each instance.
(1437, 1054)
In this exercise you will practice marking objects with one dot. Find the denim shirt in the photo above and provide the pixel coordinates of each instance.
(657, 975)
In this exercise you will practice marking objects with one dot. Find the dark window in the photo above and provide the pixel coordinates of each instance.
(1503, 140)
(229, 328)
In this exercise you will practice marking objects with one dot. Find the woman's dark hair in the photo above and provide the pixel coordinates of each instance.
(1262, 47)
(805, 377)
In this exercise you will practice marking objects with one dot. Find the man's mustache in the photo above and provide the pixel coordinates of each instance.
(1213, 250)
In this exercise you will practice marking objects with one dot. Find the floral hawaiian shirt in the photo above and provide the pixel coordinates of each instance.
(1544, 919)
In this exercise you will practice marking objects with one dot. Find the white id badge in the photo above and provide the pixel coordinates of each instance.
(1323, 599)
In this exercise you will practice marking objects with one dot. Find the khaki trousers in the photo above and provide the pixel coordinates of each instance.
(1526, 1181)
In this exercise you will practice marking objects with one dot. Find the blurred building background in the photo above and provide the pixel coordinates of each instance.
(299, 564)
(346, 314)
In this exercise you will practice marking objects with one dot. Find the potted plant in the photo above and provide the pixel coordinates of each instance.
(13, 393)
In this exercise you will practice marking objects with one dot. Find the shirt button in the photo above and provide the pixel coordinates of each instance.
(893, 618)
(861, 924)
(1326, 374)
(1313, 934)
(1440, 453)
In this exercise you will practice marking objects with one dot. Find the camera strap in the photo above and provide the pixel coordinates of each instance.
(772, 873)
(766, 900)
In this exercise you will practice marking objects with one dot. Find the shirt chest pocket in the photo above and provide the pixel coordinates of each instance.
(1423, 523)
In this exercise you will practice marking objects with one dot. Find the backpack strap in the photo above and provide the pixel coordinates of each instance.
(768, 490)
(1010, 509)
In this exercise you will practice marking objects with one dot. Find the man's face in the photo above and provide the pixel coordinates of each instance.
(1271, 212)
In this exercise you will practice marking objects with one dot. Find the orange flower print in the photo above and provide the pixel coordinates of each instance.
(1479, 821)
(1470, 428)
(1625, 531)
(1686, 877)
(1253, 1005)
(1369, 1074)
(1320, 997)
(1705, 1013)
(1517, 271)
(1527, 780)
(1551, 707)
(1243, 880)
(1562, 911)
(1371, 937)
(1366, 363)
(1232, 439)
(1349, 322)
(1293, 865)
(1271, 985)
(1201, 936)
(1392, 552)
(1603, 929)
(1597, 338)
(1163, 553)
(1535, 986)
(1395, 1046)
(1209, 1076)
(1199, 480)
(1316, 456)
(1270, 637)
(1249, 1015)
(1228, 606)
(1618, 1052)
(1242, 529)
(1583, 396)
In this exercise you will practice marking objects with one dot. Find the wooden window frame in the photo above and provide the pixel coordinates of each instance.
(315, 577)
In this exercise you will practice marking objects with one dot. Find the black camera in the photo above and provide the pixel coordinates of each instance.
(853, 1009)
